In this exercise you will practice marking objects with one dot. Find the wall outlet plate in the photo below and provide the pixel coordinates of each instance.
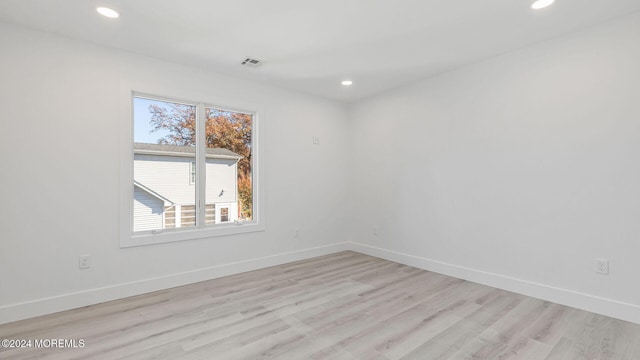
(84, 261)
(602, 266)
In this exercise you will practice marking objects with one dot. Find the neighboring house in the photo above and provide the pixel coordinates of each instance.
(165, 186)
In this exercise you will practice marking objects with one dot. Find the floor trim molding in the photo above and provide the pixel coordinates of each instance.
(608, 307)
(613, 308)
(49, 305)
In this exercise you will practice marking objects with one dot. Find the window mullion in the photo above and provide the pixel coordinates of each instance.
(201, 165)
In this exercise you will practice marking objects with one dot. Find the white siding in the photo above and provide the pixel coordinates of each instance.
(166, 175)
(147, 211)
(221, 175)
(169, 176)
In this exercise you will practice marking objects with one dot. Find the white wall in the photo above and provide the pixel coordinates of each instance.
(60, 129)
(518, 171)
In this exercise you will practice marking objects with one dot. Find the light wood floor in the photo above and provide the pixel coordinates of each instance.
(341, 306)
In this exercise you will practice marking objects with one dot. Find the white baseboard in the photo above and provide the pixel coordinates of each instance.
(595, 304)
(608, 307)
(25, 310)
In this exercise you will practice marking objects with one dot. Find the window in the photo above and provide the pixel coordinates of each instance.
(224, 214)
(194, 171)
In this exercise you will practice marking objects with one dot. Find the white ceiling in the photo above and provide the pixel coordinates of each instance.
(311, 46)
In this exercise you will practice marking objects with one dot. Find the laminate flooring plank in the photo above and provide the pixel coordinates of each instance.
(452, 339)
(562, 350)
(505, 336)
(393, 322)
(370, 311)
(259, 318)
(444, 316)
(189, 320)
(388, 301)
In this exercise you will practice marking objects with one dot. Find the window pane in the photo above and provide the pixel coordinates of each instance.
(229, 173)
(224, 214)
(164, 178)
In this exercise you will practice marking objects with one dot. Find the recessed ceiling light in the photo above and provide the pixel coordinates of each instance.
(110, 13)
(347, 82)
(541, 4)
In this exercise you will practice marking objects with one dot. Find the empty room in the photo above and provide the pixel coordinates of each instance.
(348, 179)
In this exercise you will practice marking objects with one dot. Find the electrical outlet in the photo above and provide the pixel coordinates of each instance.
(84, 261)
(602, 266)
(375, 231)
(316, 140)
(296, 234)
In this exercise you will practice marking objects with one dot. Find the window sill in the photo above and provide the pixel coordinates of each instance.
(168, 236)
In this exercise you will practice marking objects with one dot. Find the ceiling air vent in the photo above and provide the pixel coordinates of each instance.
(251, 62)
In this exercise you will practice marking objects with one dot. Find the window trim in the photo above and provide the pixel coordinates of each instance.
(130, 239)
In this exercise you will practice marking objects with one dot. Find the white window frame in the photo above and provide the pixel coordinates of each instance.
(220, 214)
(130, 239)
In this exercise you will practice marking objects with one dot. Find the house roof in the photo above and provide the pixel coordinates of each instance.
(176, 150)
(152, 193)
